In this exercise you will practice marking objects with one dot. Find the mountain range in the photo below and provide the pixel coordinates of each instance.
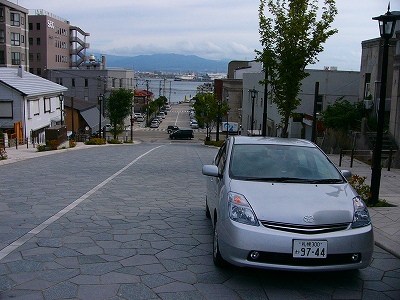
(169, 63)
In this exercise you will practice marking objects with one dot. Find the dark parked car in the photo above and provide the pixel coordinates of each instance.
(172, 128)
(182, 134)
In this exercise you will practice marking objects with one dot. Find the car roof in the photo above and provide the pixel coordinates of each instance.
(272, 141)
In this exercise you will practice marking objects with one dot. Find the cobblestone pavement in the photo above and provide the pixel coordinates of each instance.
(128, 222)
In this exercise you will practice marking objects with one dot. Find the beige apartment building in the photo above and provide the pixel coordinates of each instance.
(54, 43)
(13, 35)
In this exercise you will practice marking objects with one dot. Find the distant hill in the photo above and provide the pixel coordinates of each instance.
(171, 63)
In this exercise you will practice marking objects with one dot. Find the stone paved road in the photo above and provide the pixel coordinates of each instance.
(128, 222)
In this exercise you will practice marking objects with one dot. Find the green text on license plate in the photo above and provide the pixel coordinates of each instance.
(310, 249)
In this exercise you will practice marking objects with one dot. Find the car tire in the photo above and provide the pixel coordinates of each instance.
(217, 258)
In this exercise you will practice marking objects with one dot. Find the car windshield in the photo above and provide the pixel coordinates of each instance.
(281, 163)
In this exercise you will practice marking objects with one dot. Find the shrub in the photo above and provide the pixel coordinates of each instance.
(3, 153)
(41, 148)
(72, 143)
(363, 190)
(53, 144)
(214, 143)
(114, 141)
(96, 141)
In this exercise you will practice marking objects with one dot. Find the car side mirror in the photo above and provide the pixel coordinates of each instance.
(347, 174)
(210, 170)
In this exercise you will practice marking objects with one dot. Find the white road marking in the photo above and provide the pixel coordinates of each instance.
(26, 237)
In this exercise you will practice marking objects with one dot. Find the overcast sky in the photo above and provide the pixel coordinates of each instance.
(212, 29)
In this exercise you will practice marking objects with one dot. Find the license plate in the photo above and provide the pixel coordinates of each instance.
(309, 249)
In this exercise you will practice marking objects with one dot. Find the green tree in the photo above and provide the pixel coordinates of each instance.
(343, 115)
(206, 109)
(291, 41)
(119, 106)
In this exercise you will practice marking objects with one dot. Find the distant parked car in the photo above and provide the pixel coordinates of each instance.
(182, 134)
(139, 119)
(154, 124)
(194, 125)
(282, 204)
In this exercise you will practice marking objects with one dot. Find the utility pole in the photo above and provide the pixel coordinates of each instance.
(314, 122)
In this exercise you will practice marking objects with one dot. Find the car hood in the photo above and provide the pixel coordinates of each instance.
(291, 202)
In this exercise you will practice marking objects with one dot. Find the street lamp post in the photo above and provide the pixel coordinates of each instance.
(218, 119)
(100, 100)
(253, 94)
(387, 23)
(227, 118)
(61, 98)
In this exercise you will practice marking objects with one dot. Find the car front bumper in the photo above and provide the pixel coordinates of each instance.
(237, 241)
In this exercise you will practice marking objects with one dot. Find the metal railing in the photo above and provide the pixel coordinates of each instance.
(366, 155)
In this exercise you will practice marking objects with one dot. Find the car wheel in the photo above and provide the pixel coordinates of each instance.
(208, 215)
(217, 258)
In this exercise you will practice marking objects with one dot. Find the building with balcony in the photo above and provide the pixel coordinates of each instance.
(13, 35)
(54, 43)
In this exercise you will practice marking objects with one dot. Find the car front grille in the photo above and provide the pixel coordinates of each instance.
(305, 229)
(288, 259)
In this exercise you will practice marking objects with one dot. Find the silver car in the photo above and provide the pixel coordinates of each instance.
(282, 204)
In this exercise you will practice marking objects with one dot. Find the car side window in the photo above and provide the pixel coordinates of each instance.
(221, 158)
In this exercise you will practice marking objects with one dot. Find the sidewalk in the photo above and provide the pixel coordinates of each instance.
(385, 220)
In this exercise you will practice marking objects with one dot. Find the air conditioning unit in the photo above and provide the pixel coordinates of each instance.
(368, 104)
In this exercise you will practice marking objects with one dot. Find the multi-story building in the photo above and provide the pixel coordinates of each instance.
(54, 43)
(13, 35)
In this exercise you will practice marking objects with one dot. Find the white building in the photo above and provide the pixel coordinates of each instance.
(28, 105)
(332, 85)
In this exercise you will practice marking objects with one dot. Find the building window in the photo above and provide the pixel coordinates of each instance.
(2, 57)
(30, 26)
(39, 72)
(47, 102)
(15, 39)
(1, 14)
(113, 83)
(6, 109)
(120, 82)
(2, 39)
(319, 103)
(38, 56)
(31, 70)
(37, 41)
(73, 82)
(22, 39)
(30, 41)
(35, 107)
(31, 57)
(367, 86)
(14, 18)
(15, 58)
(37, 26)
(86, 82)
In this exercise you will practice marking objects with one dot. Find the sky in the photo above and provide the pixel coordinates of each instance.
(211, 29)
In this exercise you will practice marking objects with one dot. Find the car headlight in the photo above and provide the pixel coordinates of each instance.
(361, 216)
(240, 210)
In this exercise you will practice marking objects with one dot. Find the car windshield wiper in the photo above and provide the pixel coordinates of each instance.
(278, 179)
(327, 180)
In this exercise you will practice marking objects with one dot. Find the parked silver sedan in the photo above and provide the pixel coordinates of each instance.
(282, 204)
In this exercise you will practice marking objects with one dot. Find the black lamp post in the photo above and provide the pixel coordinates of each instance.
(253, 94)
(61, 98)
(99, 101)
(218, 119)
(387, 23)
(227, 118)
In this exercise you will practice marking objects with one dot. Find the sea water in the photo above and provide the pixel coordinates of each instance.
(175, 91)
